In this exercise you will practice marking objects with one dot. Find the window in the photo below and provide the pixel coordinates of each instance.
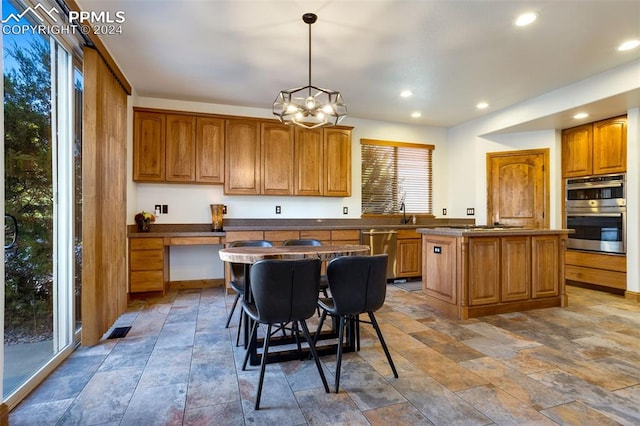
(394, 173)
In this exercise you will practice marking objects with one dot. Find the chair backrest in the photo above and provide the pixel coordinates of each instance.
(285, 290)
(237, 269)
(358, 284)
(301, 242)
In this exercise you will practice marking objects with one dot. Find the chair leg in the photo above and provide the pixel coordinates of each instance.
(263, 365)
(248, 352)
(239, 329)
(384, 345)
(322, 318)
(296, 332)
(233, 308)
(339, 357)
(312, 349)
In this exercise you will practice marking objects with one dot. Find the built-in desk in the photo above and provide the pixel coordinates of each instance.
(149, 255)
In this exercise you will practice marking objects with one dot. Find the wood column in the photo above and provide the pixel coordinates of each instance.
(104, 278)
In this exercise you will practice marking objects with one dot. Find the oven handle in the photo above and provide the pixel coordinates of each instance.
(595, 214)
(608, 184)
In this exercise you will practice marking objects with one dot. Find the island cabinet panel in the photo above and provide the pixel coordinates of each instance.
(180, 161)
(209, 150)
(475, 273)
(242, 157)
(277, 150)
(148, 146)
(309, 162)
(547, 271)
(516, 268)
(439, 274)
(484, 271)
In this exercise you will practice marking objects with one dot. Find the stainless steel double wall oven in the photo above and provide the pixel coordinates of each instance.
(596, 208)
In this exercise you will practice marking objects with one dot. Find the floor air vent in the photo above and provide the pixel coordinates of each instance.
(119, 332)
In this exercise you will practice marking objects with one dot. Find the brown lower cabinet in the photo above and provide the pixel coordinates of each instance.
(147, 265)
(408, 254)
(474, 276)
(600, 269)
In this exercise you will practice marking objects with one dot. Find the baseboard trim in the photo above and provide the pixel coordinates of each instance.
(4, 415)
(192, 284)
(632, 295)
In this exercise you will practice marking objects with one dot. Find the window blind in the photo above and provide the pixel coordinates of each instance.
(394, 173)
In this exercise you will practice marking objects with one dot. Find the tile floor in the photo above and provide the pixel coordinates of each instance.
(178, 365)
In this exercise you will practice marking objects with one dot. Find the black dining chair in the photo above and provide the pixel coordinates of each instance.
(324, 285)
(283, 291)
(237, 278)
(358, 285)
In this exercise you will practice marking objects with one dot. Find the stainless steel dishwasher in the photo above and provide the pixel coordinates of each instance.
(382, 241)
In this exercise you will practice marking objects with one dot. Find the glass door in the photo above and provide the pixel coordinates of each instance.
(29, 208)
(42, 200)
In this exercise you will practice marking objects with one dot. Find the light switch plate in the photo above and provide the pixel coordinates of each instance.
(345, 210)
(471, 211)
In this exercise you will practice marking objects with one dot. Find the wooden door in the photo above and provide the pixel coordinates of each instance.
(180, 160)
(242, 157)
(277, 159)
(309, 159)
(577, 151)
(148, 146)
(610, 146)
(337, 162)
(209, 150)
(484, 271)
(518, 188)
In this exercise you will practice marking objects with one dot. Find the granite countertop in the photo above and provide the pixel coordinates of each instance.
(479, 231)
(204, 229)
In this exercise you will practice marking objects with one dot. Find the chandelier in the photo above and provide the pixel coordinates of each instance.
(309, 106)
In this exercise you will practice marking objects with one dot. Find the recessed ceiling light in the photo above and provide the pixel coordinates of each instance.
(482, 105)
(416, 114)
(629, 44)
(406, 93)
(580, 115)
(526, 19)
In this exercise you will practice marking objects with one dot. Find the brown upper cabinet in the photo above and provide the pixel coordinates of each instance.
(209, 150)
(309, 162)
(148, 146)
(337, 162)
(179, 148)
(250, 156)
(242, 157)
(281, 160)
(595, 148)
(277, 147)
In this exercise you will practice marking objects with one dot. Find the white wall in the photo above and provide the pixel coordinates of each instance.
(190, 203)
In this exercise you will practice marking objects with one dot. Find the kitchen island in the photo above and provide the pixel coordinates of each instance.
(474, 271)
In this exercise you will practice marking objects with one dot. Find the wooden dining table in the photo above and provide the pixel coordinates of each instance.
(250, 255)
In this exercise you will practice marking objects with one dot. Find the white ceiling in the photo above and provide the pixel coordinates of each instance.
(451, 54)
